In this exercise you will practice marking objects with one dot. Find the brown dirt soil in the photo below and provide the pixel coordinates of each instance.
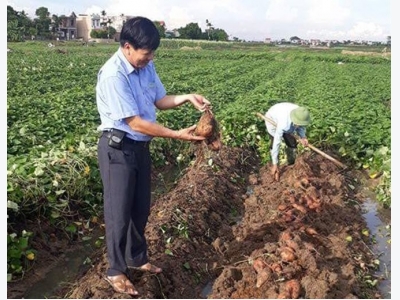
(227, 230)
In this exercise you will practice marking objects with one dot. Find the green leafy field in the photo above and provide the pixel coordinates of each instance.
(52, 117)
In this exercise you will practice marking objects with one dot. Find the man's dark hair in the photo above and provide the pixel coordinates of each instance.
(141, 33)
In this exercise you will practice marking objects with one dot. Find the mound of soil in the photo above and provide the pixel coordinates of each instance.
(228, 230)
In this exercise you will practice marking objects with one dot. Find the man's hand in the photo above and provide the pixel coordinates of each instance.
(199, 101)
(275, 172)
(304, 141)
(187, 134)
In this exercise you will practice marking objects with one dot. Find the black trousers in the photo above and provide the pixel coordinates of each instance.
(126, 178)
(289, 139)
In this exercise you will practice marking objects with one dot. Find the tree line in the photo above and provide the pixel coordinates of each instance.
(20, 26)
(193, 31)
(46, 26)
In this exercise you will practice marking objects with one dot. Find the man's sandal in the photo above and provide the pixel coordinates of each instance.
(121, 284)
(148, 267)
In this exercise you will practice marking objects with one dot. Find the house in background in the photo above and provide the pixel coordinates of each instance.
(117, 22)
(174, 33)
(85, 24)
(67, 29)
(315, 42)
(267, 41)
(95, 21)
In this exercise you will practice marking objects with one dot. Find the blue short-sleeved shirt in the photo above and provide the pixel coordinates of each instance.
(123, 91)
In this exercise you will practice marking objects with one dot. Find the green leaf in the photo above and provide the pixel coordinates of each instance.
(23, 243)
(22, 131)
(12, 205)
(39, 171)
(71, 228)
(60, 192)
(55, 214)
(14, 253)
(168, 252)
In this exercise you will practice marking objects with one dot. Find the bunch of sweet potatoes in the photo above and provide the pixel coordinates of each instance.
(209, 128)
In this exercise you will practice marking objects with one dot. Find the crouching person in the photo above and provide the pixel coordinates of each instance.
(282, 121)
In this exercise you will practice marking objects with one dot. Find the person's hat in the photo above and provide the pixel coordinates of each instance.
(300, 116)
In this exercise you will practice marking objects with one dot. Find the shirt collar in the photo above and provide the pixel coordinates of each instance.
(128, 67)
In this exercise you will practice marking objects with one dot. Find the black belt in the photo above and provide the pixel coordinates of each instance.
(127, 140)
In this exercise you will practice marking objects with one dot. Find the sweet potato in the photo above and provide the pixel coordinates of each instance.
(259, 265)
(277, 176)
(282, 207)
(313, 192)
(286, 235)
(277, 268)
(311, 231)
(314, 205)
(288, 217)
(298, 184)
(292, 199)
(310, 203)
(284, 295)
(208, 128)
(263, 276)
(304, 181)
(300, 208)
(206, 124)
(293, 288)
(287, 255)
(292, 244)
(289, 212)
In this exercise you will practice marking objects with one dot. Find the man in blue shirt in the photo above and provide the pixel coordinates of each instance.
(281, 120)
(128, 92)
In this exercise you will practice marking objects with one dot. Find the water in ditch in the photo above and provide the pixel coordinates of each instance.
(64, 272)
(380, 231)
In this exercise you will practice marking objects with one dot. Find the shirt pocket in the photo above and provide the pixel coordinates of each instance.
(150, 92)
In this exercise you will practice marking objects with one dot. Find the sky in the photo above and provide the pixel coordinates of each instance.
(250, 20)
